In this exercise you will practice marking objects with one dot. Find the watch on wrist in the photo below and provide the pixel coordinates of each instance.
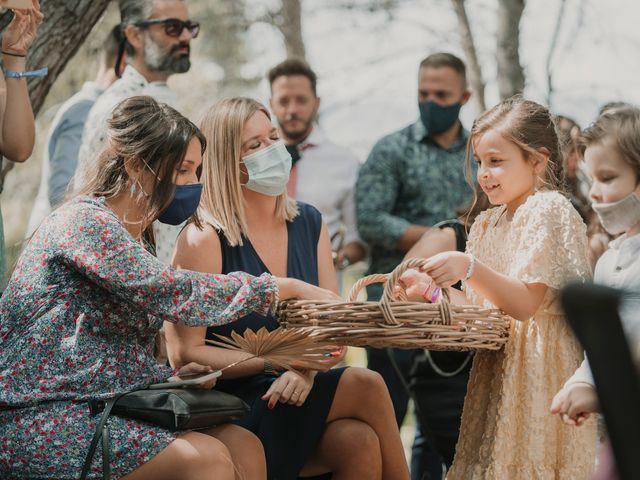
(269, 369)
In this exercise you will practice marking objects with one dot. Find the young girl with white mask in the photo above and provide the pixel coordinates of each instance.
(611, 150)
(339, 421)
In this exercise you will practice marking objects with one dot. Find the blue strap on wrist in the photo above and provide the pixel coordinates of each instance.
(43, 72)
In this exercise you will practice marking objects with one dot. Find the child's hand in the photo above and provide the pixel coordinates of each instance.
(447, 268)
(575, 404)
(418, 286)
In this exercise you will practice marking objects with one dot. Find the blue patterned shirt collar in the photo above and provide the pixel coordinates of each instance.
(420, 134)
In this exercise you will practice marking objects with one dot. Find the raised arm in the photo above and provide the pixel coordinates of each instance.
(17, 124)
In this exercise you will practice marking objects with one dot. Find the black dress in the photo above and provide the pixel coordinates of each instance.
(288, 433)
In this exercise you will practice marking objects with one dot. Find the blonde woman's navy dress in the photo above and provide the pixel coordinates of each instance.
(289, 433)
(77, 322)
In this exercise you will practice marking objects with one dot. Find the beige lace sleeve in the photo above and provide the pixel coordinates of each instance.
(550, 242)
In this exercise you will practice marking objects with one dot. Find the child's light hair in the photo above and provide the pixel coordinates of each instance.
(222, 197)
(622, 125)
(531, 127)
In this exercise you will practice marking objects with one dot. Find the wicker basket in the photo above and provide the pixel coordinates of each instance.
(398, 323)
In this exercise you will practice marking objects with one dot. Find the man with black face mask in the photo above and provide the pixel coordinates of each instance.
(158, 36)
(413, 179)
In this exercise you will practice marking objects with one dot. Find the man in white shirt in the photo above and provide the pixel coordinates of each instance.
(158, 35)
(323, 174)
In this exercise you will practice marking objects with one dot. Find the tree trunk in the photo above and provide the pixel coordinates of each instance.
(291, 28)
(552, 49)
(67, 23)
(469, 47)
(510, 72)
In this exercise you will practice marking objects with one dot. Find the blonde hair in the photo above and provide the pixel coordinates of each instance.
(531, 127)
(222, 198)
(622, 125)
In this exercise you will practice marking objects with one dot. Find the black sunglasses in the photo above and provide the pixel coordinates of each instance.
(172, 26)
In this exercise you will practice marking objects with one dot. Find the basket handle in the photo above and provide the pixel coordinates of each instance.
(388, 296)
(364, 282)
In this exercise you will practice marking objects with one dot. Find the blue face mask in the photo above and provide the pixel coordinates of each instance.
(268, 169)
(437, 119)
(184, 204)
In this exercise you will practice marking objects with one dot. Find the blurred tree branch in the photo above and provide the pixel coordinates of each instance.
(66, 26)
(552, 49)
(291, 28)
(469, 47)
(510, 71)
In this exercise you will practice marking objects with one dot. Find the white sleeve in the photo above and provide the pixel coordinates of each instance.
(349, 207)
(581, 375)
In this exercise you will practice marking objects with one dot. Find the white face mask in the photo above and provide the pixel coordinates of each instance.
(268, 169)
(621, 216)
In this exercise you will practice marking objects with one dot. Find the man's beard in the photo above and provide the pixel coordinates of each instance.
(301, 134)
(159, 60)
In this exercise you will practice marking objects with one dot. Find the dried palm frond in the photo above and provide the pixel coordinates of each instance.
(288, 349)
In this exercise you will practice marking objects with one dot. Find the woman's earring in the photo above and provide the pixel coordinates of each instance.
(133, 189)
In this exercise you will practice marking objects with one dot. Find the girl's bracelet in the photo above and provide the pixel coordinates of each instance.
(472, 266)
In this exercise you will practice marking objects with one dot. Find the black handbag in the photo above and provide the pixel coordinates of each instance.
(171, 408)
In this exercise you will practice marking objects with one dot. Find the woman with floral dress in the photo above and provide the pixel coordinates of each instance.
(79, 316)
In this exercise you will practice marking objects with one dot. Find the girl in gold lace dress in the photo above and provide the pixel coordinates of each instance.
(519, 254)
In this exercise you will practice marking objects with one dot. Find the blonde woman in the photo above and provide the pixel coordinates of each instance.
(340, 421)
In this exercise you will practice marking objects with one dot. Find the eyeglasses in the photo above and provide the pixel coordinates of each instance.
(172, 26)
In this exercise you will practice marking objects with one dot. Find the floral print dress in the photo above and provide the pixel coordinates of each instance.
(77, 322)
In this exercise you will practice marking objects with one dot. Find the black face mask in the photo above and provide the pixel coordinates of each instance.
(437, 119)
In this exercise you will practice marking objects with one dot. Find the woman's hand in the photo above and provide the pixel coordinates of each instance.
(291, 387)
(447, 268)
(293, 288)
(21, 32)
(195, 368)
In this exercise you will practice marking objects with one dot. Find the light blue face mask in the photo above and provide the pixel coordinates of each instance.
(268, 169)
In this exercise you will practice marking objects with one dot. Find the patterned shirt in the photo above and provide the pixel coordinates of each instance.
(407, 179)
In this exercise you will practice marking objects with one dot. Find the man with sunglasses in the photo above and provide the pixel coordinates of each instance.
(157, 40)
